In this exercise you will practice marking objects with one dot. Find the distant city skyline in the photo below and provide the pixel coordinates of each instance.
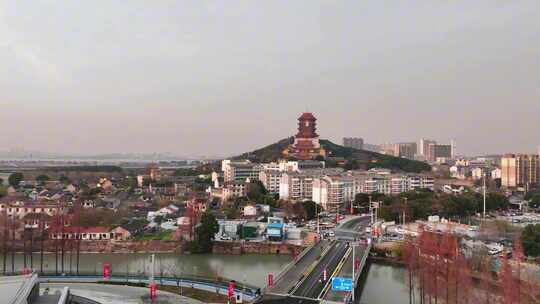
(198, 78)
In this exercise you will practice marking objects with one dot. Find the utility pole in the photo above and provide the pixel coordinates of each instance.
(353, 267)
(404, 212)
(370, 210)
(152, 263)
(485, 189)
(317, 212)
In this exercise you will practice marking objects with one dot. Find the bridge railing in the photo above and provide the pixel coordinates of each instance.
(220, 284)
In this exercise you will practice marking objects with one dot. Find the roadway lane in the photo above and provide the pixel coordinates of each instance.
(297, 272)
(352, 229)
(313, 285)
(345, 272)
(114, 294)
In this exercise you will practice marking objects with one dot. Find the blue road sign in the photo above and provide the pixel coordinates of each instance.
(342, 284)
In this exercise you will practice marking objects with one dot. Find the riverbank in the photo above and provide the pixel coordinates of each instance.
(154, 246)
(241, 247)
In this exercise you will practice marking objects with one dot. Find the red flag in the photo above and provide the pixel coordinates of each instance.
(270, 280)
(106, 271)
(230, 290)
(153, 291)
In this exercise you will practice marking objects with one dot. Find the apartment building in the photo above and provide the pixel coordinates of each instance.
(520, 170)
(240, 171)
(329, 191)
(298, 186)
(271, 179)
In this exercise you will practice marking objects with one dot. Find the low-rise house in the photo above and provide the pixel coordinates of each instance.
(250, 211)
(37, 221)
(453, 189)
(20, 209)
(71, 188)
(81, 233)
(88, 204)
(121, 234)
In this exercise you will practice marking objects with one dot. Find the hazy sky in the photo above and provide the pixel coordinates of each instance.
(218, 77)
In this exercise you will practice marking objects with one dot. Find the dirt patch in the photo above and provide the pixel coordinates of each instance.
(201, 295)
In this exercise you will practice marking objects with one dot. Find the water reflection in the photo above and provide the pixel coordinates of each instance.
(251, 268)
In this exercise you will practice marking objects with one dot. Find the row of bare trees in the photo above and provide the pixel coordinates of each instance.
(439, 272)
(31, 240)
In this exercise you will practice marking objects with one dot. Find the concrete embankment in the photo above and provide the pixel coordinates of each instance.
(49, 246)
(241, 247)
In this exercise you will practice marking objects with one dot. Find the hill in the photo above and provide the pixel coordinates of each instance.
(355, 158)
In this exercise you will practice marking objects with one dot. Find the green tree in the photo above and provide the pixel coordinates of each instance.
(146, 182)
(42, 179)
(64, 179)
(205, 232)
(3, 191)
(495, 201)
(352, 165)
(15, 179)
(130, 182)
(256, 191)
(535, 200)
(311, 209)
(531, 240)
(158, 220)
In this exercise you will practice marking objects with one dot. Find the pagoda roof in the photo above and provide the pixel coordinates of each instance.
(307, 116)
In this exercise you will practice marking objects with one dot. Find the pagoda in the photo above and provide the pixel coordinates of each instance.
(306, 142)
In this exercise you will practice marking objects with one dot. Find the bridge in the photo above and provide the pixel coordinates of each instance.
(248, 292)
(308, 279)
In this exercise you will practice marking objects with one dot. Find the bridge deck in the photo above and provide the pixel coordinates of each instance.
(289, 279)
(346, 272)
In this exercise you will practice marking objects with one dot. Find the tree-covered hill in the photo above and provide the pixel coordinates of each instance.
(360, 158)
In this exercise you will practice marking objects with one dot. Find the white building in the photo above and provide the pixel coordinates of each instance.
(477, 173)
(240, 171)
(333, 190)
(296, 186)
(496, 173)
(271, 179)
(250, 210)
(234, 189)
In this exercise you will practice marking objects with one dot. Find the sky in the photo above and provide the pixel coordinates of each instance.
(221, 77)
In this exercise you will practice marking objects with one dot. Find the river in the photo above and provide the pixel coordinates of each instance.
(382, 284)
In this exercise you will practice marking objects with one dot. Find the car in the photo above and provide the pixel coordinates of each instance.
(331, 233)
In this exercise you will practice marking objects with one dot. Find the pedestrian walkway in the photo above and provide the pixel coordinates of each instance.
(114, 294)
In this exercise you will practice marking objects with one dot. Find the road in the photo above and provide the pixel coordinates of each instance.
(296, 273)
(308, 288)
(313, 284)
(113, 294)
(353, 228)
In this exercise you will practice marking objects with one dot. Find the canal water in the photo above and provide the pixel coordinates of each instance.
(252, 269)
(382, 283)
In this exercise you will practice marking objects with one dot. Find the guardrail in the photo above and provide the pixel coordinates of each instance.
(359, 272)
(291, 264)
(207, 284)
(203, 284)
(340, 265)
(311, 268)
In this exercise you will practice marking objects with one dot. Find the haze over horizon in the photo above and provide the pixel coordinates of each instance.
(223, 77)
